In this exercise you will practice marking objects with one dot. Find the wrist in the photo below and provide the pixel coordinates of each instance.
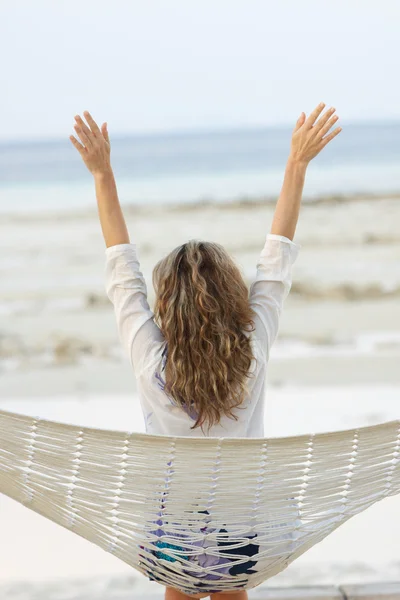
(297, 162)
(104, 173)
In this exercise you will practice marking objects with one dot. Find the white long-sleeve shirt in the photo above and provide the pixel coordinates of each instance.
(147, 350)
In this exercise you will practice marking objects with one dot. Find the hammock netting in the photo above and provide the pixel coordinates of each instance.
(198, 514)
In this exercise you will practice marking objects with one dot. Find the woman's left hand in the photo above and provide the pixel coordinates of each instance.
(96, 149)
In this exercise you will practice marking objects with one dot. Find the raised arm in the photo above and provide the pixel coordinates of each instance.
(95, 153)
(274, 268)
(307, 142)
(125, 284)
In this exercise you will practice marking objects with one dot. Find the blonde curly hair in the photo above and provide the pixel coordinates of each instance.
(202, 308)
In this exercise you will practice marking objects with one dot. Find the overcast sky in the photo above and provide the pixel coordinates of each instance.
(151, 65)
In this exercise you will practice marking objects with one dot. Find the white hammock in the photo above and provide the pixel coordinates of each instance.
(132, 493)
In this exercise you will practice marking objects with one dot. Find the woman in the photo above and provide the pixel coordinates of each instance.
(201, 368)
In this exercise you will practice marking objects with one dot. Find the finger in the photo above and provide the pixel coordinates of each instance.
(83, 137)
(323, 120)
(330, 137)
(77, 145)
(300, 121)
(313, 116)
(328, 125)
(105, 132)
(93, 125)
(81, 123)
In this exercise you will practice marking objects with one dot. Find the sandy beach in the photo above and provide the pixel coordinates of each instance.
(334, 365)
(56, 319)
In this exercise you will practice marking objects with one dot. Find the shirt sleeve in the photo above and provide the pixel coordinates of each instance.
(271, 286)
(126, 288)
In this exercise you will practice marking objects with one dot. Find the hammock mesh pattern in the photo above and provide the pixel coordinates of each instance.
(198, 514)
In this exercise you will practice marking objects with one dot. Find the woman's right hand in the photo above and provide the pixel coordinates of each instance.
(308, 135)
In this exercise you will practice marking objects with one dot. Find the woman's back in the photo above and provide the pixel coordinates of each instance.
(148, 349)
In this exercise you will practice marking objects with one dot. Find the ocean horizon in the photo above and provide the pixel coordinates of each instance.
(191, 167)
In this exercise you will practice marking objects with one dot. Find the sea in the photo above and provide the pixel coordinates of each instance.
(199, 166)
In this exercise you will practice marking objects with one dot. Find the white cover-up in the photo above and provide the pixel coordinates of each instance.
(146, 346)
